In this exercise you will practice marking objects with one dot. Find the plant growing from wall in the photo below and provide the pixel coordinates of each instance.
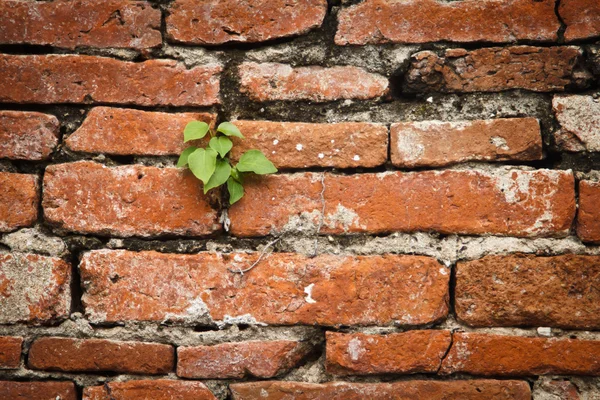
(212, 165)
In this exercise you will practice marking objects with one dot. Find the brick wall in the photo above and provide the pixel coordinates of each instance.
(436, 216)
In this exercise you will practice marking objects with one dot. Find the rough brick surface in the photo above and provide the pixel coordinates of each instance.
(397, 353)
(439, 143)
(10, 352)
(42, 79)
(579, 119)
(70, 24)
(66, 354)
(495, 355)
(496, 69)
(38, 390)
(27, 135)
(236, 360)
(133, 200)
(550, 389)
(270, 81)
(507, 202)
(133, 132)
(588, 217)
(19, 200)
(160, 389)
(525, 290)
(582, 18)
(287, 289)
(421, 21)
(302, 145)
(222, 21)
(407, 390)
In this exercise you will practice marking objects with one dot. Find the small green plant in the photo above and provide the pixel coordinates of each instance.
(212, 165)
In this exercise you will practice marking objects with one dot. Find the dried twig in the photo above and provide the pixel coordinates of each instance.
(262, 254)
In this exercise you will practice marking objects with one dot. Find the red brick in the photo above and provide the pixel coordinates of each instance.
(494, 69)
(222, 21)
(27, 135)
(582, 18)
(404, 390)
(579, 119)
(132, 200)
(70, 24)
(87, 79)
(422, 21)
(515, 291)
(549, 389)
(473, 202)
(588, 217)
(33, 288)
(133, 132)
(10, 352)
(19, 200)
(81, 355)
(159, 389)
(237, 360)
(397, 353)
(302, 145)
(286, 289)
(270, 81)
(37, 390)
(439, 143)
(495, 355)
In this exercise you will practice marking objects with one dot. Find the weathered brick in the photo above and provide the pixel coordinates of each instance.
(87, 79)
(588, 217)
(438, 143)
(10, 352)
(133, 132)
(504, 202)
(582, 18)
(270, 81)
(131, 200)
(70, 24)
(515, 291)
(579, 119)
(496, 355)
(73, 355)
(27, 135)
(494, 69)
(404, 390)
(19, 200)
(237, 360)
(33, 288)
(287, 289)
(302, 145)
(422, 21)
(160, 389)
(556, 389)
(222, 21)
(397, 353)
(37, 390)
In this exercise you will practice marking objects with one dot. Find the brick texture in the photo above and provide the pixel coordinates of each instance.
(421, 21)
(223, 21)
(579, 120)
(71, 24)
(38, 390)
(508, 202)
(326, 290)
(588, 218)
(582, 18)
(10, 352)
(236, 360)
(19, 200)
(159, 389)
(133, 200)
(439, 143)
(27, 135)
(73, 355)
(42, 79)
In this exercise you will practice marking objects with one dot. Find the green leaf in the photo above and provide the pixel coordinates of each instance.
(221, 145)
(203, 163)
(183, 158)
(229, 129)
(236, 190)
(195, 130)
(220, 176)
(255, 161)
(235, 174)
